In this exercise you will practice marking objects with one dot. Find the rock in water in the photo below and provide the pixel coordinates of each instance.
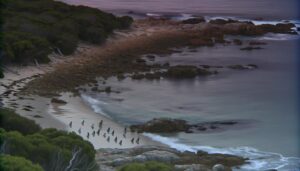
(58, 101)
(194, 20)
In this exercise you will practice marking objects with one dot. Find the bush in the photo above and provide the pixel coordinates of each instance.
(50, 148)
(32, 29)
(148, 166)
(10, 121)
(13, 163)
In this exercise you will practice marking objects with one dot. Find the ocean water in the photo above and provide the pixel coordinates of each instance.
(268, 9)
(266, 98)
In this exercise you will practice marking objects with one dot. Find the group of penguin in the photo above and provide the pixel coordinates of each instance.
(106, 134)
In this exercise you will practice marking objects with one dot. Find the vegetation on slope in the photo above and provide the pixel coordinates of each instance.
(13, 163)
(33, 29)
(50, 148)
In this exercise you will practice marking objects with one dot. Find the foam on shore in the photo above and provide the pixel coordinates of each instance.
(259, 160)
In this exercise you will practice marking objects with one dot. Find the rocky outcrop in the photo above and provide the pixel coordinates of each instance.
(253, 43)
(110, 159)
(249, 48)
(162, 125)
(187, 71)
(167, 125)
(243, 67)
(285, 28)
(194, 20)
(58, 101)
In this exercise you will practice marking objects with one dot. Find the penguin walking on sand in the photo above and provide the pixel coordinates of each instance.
(98, 132)
(79, 130)
(124, 135)
(108, 130)
(82, 122)
(93, 133)
(108, 139)
(138, 140)
(125, 130)
(100, 123)
(116, 139)
(120, 143)
(88, 135)
(104, 135)
(92, 126)
(132, 140)
(70, 124)
(113, 133)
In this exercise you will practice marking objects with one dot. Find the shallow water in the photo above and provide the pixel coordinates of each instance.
(270, 9)
(266, 97)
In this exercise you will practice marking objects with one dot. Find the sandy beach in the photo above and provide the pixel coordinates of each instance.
(54, 115)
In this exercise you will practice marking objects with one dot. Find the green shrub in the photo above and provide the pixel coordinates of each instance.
(13, 163)
(50, 148)
(148, 166)
(10, 121)
(33, 29)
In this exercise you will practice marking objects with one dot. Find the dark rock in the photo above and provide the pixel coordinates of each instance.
(204, 72)
(186, 71)
(120, 77)
(166, 125)
(58, 101)
(251, 48)
(162, 125)
(205, 66)
(137, 76)
(298, 28)
(37, 116)
(94, 89)
(194, 20)
(166, 65)
(222, 21)
(182, 71)
(257, 43)
(107, 89)
(153, 76)
(140, 60)
(150, 57)
(243, 67)
(278, 28)
(237, 42)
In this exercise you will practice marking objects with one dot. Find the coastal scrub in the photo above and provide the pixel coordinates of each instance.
(35, 29)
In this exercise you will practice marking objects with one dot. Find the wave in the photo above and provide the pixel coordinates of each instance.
(95, 104)
(259, 160)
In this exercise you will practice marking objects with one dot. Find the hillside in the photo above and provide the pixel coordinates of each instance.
(33, 29)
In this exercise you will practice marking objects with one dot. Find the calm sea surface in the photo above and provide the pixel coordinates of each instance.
(269, 9)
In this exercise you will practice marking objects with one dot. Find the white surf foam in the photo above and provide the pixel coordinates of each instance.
(259, 160)
(278, 37)
(95, 104)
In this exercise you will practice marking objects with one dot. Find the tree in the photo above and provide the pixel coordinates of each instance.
(13, 163)
(10, 121)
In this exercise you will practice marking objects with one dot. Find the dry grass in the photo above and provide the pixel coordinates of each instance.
(112, 59)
